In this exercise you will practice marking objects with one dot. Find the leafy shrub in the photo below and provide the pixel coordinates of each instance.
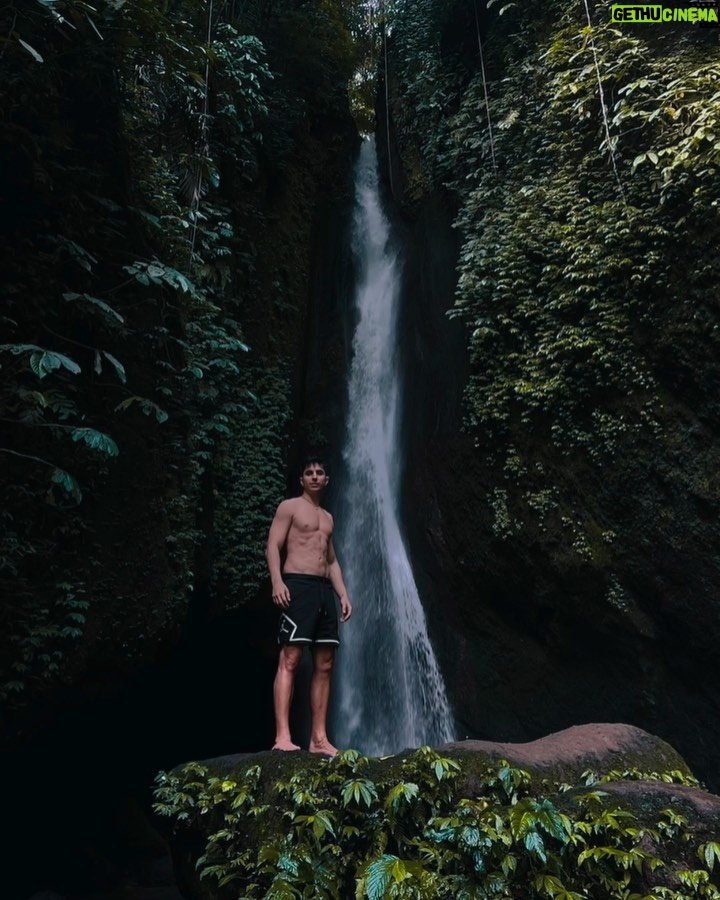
(345, 828)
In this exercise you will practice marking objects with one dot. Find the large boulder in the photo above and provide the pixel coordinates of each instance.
(586, 773)
(567, 755)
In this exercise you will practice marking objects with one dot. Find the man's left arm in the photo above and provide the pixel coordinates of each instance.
(336, 579)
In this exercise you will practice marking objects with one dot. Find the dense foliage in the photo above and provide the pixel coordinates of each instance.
(348, 829)
(583, 159)
(159, 181)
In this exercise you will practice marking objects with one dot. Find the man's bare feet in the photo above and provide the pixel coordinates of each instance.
(285, 745)
(324, 747)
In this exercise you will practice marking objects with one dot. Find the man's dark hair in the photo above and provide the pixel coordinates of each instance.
(315, 460)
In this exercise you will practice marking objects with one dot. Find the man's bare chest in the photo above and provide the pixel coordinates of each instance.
(312, 522)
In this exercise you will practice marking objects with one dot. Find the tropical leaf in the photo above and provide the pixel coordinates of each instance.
(96, 440)
(406, 790)
(380, 875)
(66, 481)
(535, 844)
(117, 365)
(361, 791)
(95, 301)
(45, 361)
(148, 407)
(31, 50)
(709, 853)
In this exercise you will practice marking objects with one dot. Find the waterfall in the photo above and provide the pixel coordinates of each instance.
(389, 688)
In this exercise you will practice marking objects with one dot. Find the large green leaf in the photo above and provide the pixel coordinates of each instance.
(95, 301)
(45, 361)
(66, 481)
(380, 874)
(96, 440)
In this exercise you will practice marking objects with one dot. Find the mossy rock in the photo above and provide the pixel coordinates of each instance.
(256, 802)
(680, 846)
(565, 756)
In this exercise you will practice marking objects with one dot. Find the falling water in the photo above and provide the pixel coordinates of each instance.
(391, 693)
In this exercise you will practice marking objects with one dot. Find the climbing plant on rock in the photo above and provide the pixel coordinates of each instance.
(585, 217)
(136, 242)
(347, 828)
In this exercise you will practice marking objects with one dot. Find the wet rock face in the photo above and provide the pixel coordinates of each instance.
(528, 635)
(536, 630)
(590, 592)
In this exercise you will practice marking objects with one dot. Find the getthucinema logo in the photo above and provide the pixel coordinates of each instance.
(703, 14)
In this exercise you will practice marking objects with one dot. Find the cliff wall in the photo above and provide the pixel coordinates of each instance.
(565, 517)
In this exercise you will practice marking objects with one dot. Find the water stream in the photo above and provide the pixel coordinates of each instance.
(390, 693)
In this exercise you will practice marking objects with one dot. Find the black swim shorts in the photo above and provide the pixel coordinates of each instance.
(312, 616)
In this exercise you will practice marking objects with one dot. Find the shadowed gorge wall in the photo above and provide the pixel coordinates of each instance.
(188, 170)
(565, 525)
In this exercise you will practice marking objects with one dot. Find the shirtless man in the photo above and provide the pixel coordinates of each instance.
(304, 589)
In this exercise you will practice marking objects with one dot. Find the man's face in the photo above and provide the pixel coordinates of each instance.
(314, 478)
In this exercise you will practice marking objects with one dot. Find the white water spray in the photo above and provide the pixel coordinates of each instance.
(391, 694)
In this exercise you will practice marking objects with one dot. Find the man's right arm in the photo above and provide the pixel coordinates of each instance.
(276, 541)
